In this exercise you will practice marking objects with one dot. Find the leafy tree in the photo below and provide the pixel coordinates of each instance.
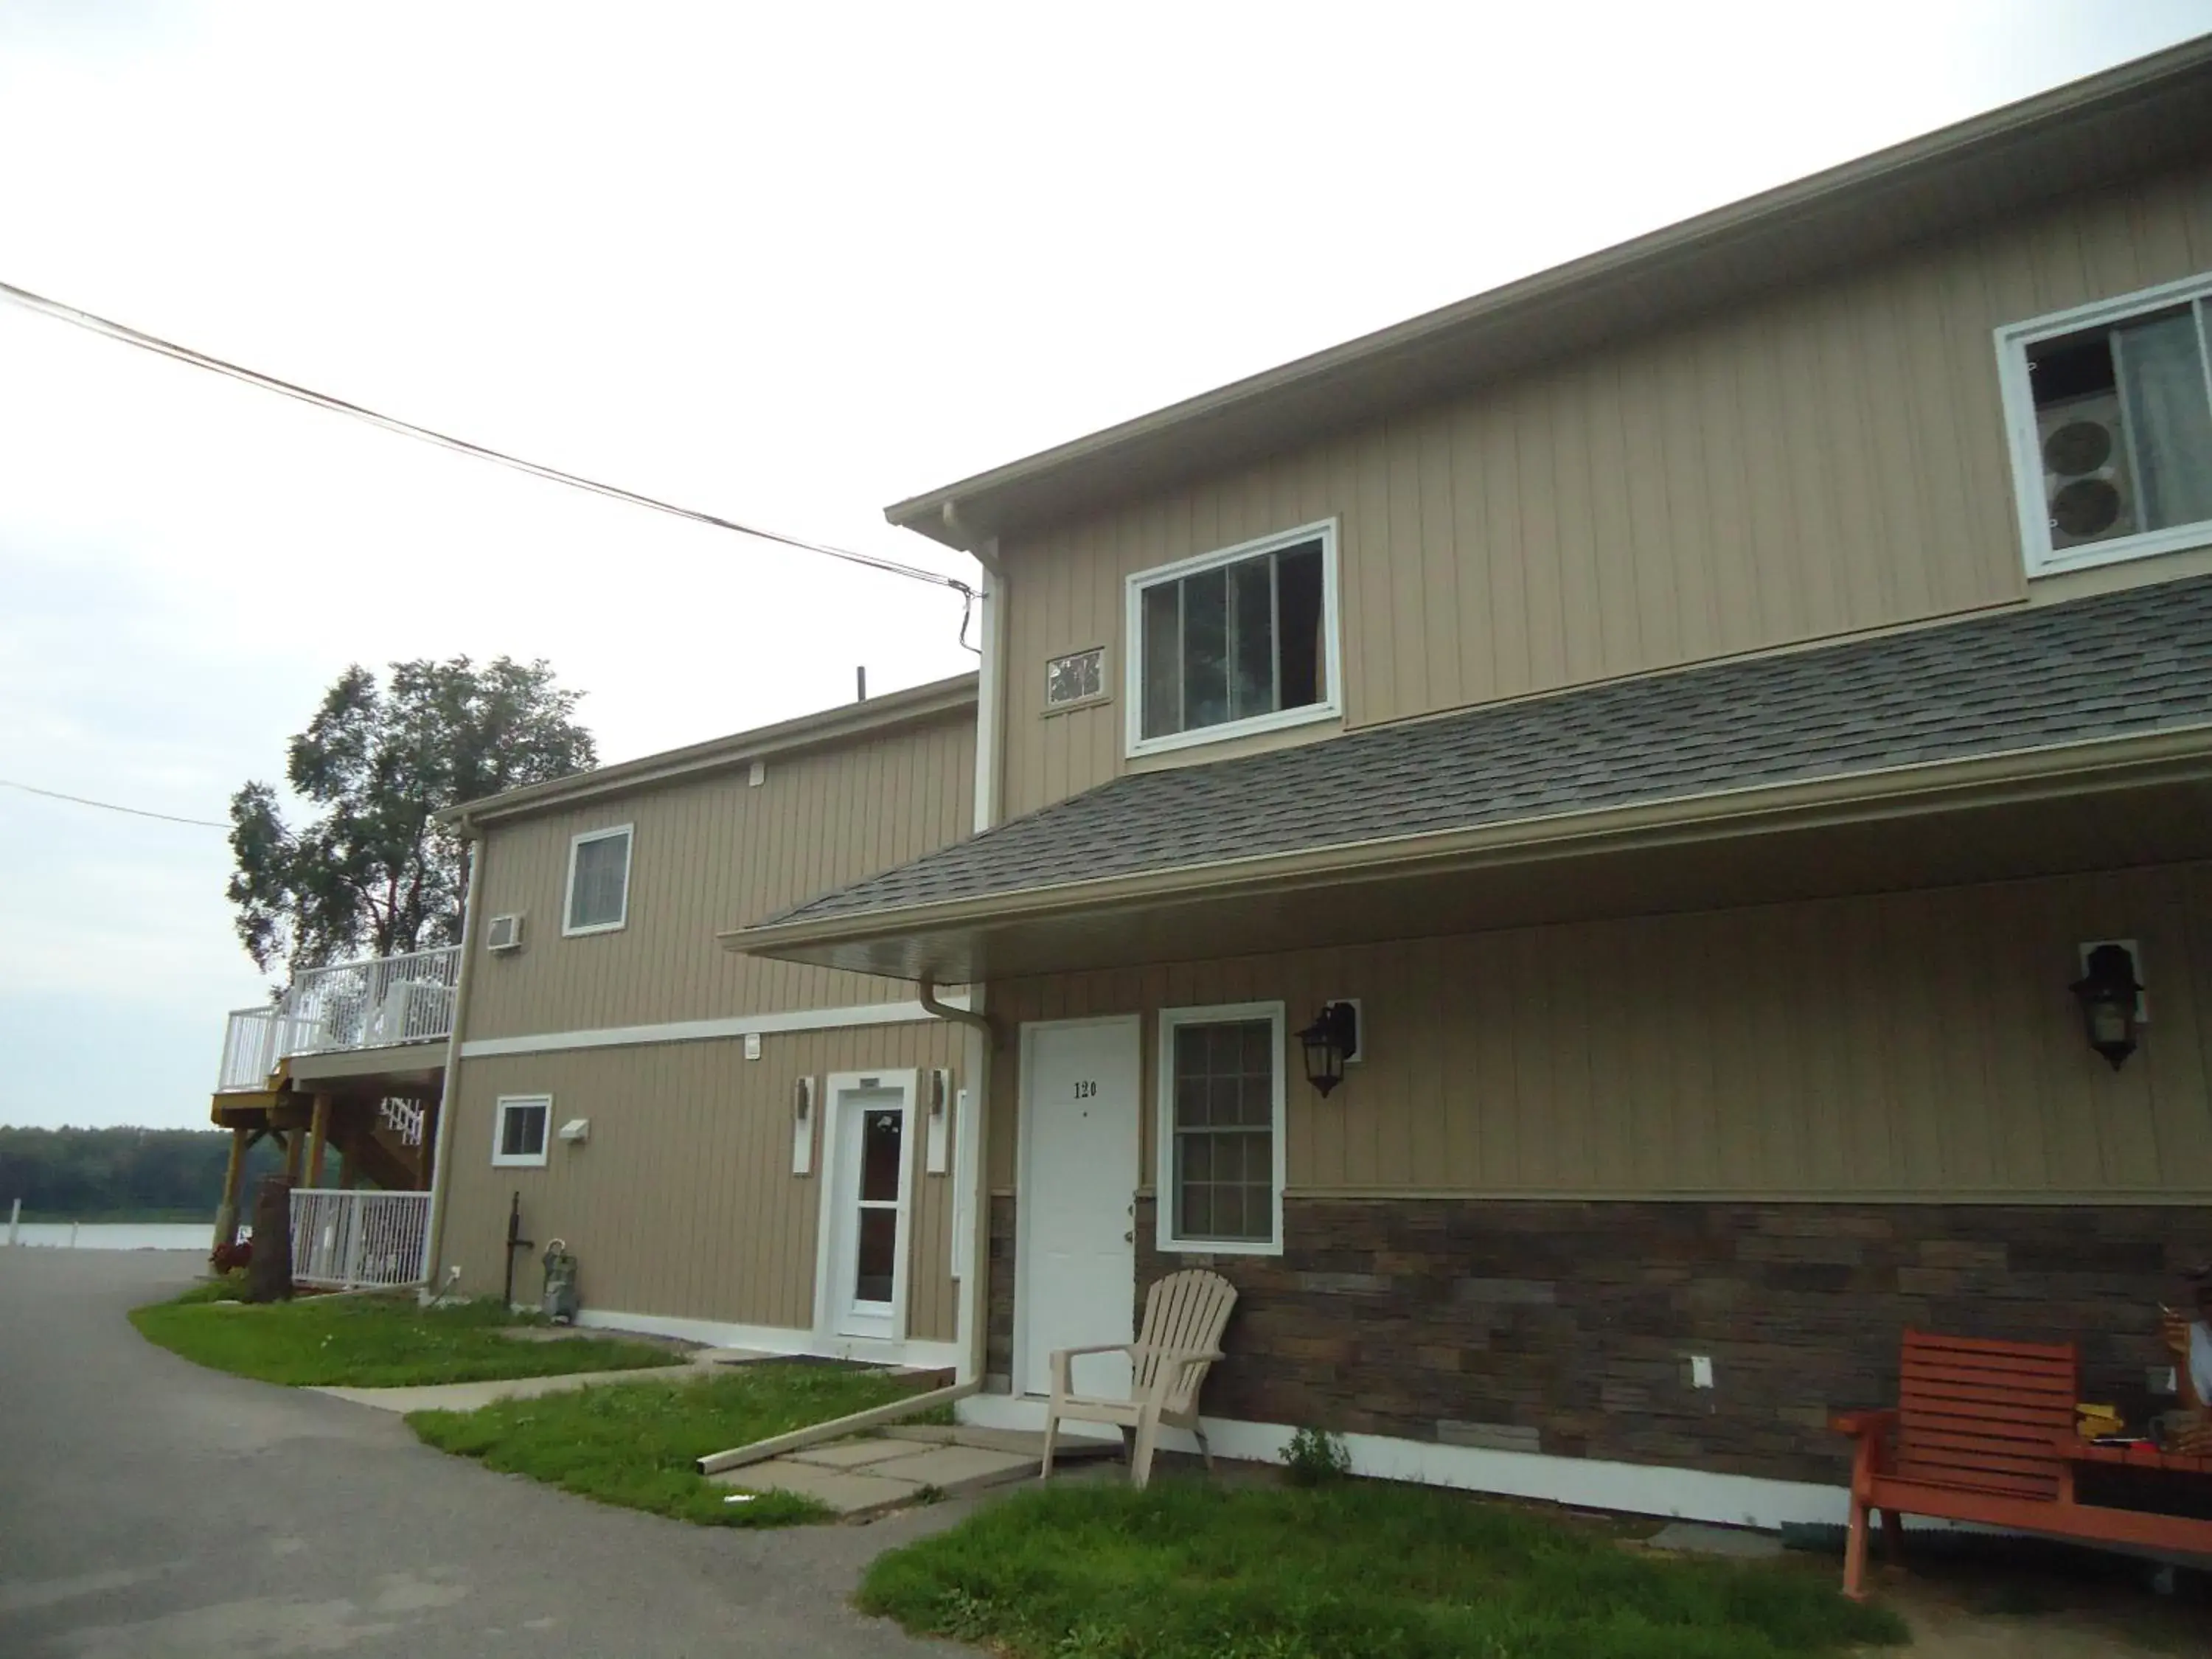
(121, 1172)
(372, 874)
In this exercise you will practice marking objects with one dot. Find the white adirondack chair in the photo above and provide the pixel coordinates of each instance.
(1185, 1314)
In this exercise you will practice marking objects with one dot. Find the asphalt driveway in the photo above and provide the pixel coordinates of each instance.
(150, 1509)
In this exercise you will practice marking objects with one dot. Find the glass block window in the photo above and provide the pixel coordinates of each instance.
(1079, 677)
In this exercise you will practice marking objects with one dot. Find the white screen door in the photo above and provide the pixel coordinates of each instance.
(871, 1165)
(1075, 1260)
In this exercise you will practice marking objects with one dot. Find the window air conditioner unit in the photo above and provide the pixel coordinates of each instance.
(2086, 486)
(503, 933)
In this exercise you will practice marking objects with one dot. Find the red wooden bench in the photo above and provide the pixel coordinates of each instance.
(1984, 1431)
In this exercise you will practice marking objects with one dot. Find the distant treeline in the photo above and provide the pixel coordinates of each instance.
(117, 1174)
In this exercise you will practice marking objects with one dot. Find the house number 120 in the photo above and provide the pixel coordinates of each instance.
(1086, 1090)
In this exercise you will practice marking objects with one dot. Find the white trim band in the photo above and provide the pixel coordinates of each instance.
(703, 1030)
(1734, 1500)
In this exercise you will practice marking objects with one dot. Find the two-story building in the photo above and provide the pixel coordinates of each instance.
(1605, 850)
(742, 1152)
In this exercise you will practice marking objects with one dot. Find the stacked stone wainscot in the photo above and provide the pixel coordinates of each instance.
(1567, 1327)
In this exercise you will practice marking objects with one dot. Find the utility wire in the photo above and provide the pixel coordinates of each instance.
(109, 805)
(128, 336)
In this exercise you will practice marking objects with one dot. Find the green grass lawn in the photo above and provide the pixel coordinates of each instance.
(1355, 1570)
(634, 1443)
(369, 1342)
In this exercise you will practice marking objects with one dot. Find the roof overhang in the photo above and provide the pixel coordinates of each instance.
(2138, 118)
(2108, 804)
(871, 718)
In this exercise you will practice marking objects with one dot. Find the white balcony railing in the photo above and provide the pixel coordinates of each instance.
(360, 1240)
(355, 1005)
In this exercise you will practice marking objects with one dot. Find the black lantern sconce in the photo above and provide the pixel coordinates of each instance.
(1331, 1040)
(2110, 995)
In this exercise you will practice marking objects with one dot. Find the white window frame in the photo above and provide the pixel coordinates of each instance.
(1330, 708)
(1164, 1178)
(2013, 342)
(502, 1160)
(569, 888)
(831, 1308)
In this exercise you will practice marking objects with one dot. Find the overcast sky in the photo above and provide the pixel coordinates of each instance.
(786, 263)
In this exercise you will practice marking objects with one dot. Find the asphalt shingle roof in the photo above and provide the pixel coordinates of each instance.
(2113, 664)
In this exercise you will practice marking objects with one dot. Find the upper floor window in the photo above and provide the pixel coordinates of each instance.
(1239, 640)
(2110, 407)
(599, 882)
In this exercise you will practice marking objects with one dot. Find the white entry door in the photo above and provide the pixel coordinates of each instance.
(871, 1157)
(1075, 1259)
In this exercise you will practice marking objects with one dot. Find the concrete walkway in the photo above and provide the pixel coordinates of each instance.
(151, 1510)
(467, 1397)
(871, 1473)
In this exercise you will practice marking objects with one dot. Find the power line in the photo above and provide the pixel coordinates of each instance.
(109, 805)
(128, 336)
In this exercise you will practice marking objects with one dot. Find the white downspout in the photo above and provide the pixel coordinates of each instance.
(972, 1215)
(433, 1223)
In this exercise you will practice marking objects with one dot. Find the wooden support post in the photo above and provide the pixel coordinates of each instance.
(295, 1143)
(226, 1214)
(318, 1139)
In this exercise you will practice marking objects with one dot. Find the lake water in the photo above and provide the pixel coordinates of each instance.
(112, 1235)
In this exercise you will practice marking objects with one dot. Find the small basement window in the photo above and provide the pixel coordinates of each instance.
(2110, 408)
(1240, 641)
(1221, 1139)
(599, 882)
(519, 1130)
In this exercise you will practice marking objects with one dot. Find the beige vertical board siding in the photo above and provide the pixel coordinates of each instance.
(708, 854)
(1912, 1045)
(682, 1204)
(1830, 459)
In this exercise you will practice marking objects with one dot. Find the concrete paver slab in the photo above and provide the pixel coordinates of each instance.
(849, 1491)
(1073, 1446)
(950, 1467)
(848, 1454)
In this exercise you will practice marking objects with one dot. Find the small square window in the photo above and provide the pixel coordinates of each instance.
(1237, 642)
(599, 882)
(2110, 407)
(519, 1129)
(1079, 677)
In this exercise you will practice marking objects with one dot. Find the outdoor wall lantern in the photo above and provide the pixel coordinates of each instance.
(2109, 991)
(1330, 1041)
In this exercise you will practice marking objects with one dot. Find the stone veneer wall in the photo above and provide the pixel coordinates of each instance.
(999, 1337)
(1564, 1327)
